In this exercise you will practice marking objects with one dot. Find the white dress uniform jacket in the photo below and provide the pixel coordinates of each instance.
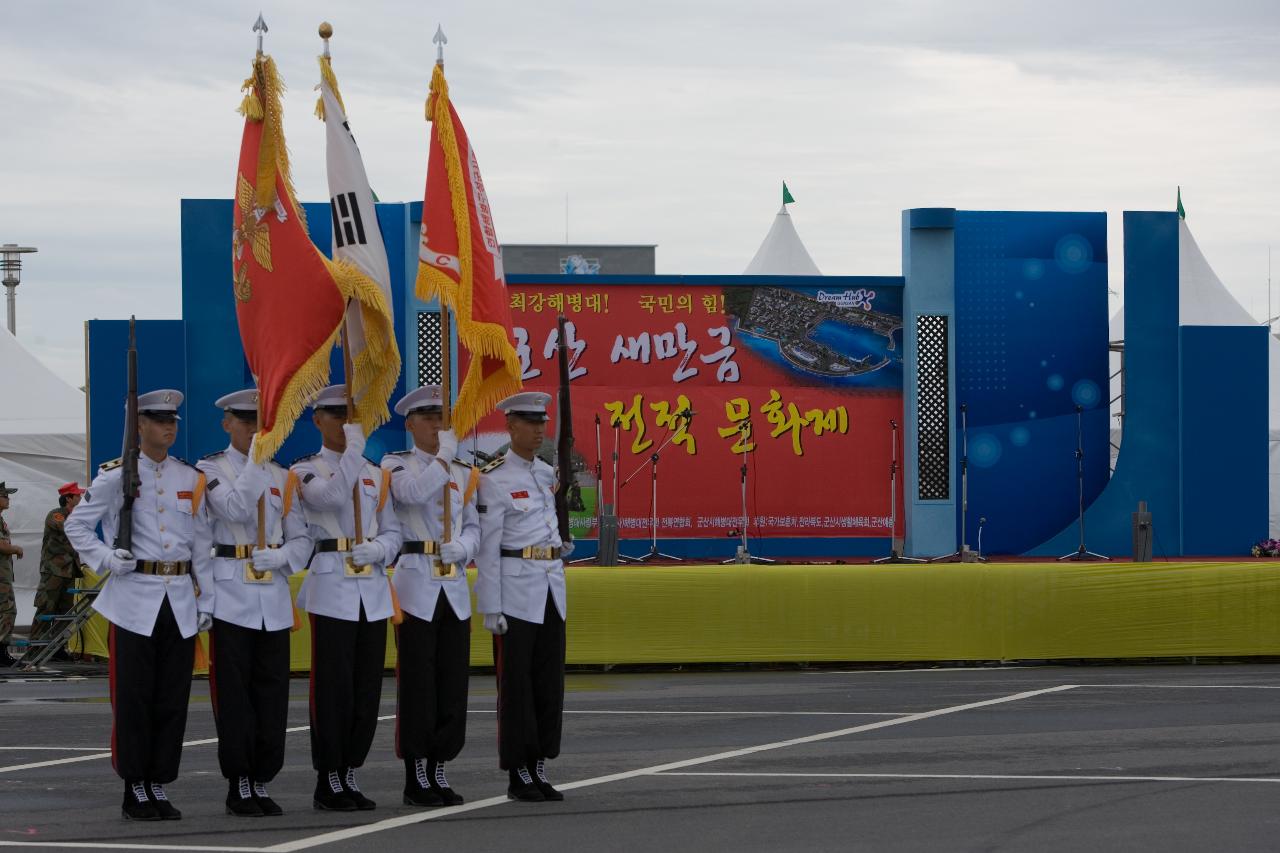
(417, 485)
(325, 481)
(517, 509)
(232, 489)
(169, 524)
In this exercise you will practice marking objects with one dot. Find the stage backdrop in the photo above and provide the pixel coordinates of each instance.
(797, 383)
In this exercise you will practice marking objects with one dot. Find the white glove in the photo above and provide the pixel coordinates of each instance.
(367, 554)
(355, 438)
(448, 445)
(120, 562)
(204, 621)
(495, 623)
(269, 559)
(566, 548)
(452, 552)
(253, 446)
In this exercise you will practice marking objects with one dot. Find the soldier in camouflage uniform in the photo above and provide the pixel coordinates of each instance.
(59, 563)
(8, 606)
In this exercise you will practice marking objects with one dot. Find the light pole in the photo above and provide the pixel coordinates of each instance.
(11, 266)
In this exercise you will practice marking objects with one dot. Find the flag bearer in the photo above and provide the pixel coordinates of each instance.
(435, 639)
(347, 596)
(252, 609)
(520, 589)
(159, 595)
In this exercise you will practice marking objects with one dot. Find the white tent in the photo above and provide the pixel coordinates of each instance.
(41, 447)
(1203, 300)
(782, 252)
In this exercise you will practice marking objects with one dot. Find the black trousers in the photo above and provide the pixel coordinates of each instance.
(249, 686)
(346, 685)
(150, 686)
(530, 667)
(432, 679)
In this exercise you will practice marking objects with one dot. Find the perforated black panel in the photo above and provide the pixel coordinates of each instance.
(932, 408)
(428, 348)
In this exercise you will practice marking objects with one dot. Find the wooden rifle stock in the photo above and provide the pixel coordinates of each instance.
(129, 479)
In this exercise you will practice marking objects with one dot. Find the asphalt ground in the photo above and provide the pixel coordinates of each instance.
(1030, 758)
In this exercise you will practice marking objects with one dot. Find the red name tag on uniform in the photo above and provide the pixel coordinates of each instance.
(275, 491)
(519, 495)
(454, 486)
(184, 496)
(368, 482)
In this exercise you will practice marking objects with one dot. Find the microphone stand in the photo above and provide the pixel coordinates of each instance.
(963, 555)
(1081, 553)
(599, 503)
(653, 499)
(744, 555)
(895, 542)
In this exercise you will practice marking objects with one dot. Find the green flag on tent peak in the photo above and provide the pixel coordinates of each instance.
(786, 194)
(1182, 213)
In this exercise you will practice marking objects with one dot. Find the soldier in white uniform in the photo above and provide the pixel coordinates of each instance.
(520, 590)
(153, 600)
(348, 597)
(252, 611)
(435, 639)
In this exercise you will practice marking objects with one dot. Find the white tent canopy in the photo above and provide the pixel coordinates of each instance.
(1203, 300)
(41, 447)
(782, 252)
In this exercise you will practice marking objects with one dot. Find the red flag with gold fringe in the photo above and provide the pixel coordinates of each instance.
(290, 298)
(460, 261)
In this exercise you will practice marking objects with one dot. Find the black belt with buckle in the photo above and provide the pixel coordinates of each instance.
(324, 546)
(167, 568)
(237, 552)
(429, 547)
(533, 552)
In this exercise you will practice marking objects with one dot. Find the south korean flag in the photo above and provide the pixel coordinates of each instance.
(356, 237)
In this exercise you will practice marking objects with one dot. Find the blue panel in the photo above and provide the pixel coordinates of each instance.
(1224, 438)
(928, 265)
(932, 217)
(161, 364)
(1148, 465)
(1031, 344)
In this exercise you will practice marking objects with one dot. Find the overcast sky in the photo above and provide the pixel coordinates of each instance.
(669, 122)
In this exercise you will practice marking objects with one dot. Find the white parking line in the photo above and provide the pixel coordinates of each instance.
(348, 833)
(1044, 777)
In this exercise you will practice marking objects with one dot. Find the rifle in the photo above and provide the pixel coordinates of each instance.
(129, 479)
(564, 435)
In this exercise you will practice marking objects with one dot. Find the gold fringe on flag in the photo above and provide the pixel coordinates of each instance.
(478, 395)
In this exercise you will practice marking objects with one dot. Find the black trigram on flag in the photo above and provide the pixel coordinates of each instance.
(348, 227)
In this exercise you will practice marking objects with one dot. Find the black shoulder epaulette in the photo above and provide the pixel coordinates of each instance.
(303, 459)
(183, 461)
(494, 465)
(400, 452)
(214, 455)
(462, 462)
(110, 465)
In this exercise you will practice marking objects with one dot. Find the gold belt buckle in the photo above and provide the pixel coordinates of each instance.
(168, 568)
(539, 552)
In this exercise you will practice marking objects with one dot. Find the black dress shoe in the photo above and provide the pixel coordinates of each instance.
(329, 795)
(137, 805)
(352, 790)
(268, 805)
(522, 787)
(161, 801)
(417, 785)
(440, 784)
(240, 801)
(540, 779)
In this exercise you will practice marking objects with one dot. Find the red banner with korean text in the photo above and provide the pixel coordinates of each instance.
(797, 384)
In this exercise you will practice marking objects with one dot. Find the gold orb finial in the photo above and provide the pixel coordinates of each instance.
(326, 30)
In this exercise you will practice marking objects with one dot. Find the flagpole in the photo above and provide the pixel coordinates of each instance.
(439, 568)
(351, 408)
